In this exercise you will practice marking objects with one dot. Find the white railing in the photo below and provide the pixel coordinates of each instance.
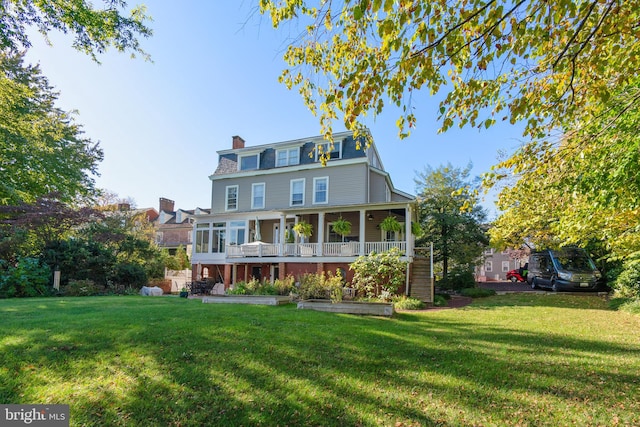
(378, 247)
(341, 249)
(332, 249)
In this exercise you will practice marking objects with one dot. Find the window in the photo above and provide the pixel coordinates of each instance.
(237, 232)
(257, 196)
(393, 236)
(202, 238)
(505, 266)
(219, 233)
(287, 157)
(488, 251)
(488, 266)
(321, 190)
(297, 192)
(232, 198)
(336, 153)
(159, 237)
(248, 163)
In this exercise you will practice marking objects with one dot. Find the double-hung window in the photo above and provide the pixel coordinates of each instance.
(326, 150)
(321, 190)
(297, 192)
(287, 157)
(257, 195)
(231, 198)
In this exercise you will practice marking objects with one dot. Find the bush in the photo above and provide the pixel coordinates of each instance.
(129, 275)
(285, 286)
(460, 277)
(477, 292)
(377, 274)
(407, 303)
(320, 286)
(77, 288)
(627, 285)
(440, 301)
(252, 287)
(26, 278)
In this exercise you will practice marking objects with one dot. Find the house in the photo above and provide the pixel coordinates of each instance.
(496, 263)
(259, 193)
(174, 228)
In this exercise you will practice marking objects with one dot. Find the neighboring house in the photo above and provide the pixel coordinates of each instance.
(174, 229)
(496, 264)
(259, 193)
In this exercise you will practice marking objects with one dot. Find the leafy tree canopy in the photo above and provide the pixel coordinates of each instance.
(42, 150)
(94, 29)
(550, 64)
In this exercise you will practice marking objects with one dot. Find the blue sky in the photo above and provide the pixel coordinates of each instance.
(214, 75)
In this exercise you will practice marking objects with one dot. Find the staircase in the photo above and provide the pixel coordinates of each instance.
(421, 283)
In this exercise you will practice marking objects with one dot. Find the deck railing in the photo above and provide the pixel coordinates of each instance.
(331, 249)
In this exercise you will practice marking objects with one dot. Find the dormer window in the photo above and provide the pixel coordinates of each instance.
(325, 148)
(249, 162)
(287, 157)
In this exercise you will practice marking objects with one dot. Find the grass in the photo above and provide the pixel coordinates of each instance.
(505, 360)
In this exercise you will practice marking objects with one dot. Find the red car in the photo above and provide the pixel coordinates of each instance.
(515, 276)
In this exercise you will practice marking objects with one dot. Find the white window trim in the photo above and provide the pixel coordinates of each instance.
(507, 264)
(335, 143)
(488, 266)
(315, 180)
(253, 194)
(226, 197)
(303, 180)
(287, 157)
(240, 157)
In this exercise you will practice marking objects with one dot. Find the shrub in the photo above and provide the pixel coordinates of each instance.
(378, 273)
(77, 288)
(460, 277)
(627, 285)
(440, 301)
(320, 286)
(284, 286)
(252, 287)
(129, 275)
(477, 292)
(26, 278)
(407, 303)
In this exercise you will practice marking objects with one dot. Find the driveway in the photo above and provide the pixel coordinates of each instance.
(506, 286)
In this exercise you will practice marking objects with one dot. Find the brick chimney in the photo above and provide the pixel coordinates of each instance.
(237, 142)
(166, 205)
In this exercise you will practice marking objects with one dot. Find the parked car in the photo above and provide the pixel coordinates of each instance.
(568, 269)
(515, 276)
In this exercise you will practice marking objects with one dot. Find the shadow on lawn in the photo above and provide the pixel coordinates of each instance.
(172, 362)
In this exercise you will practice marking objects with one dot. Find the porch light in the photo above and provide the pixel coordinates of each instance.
(370, 217)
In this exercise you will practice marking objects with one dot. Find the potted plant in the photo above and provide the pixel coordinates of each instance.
(184, 293)
(390, 223)
(303, 229)
(342, 227)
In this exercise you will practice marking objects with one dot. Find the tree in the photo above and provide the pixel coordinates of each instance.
(450, 218)
(43, 150)
(577, 192)
(94, 29)
(547, 64)
(566, 69)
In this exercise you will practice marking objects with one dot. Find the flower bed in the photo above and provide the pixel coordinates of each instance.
(248, 299)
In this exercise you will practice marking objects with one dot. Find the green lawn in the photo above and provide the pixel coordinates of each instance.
(505, 360)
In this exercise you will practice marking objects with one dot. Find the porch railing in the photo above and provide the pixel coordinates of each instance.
(330, 249)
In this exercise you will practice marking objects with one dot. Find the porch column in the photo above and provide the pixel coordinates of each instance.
(281, 231)
(320, 233)
(407, 232)
(363, 224)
